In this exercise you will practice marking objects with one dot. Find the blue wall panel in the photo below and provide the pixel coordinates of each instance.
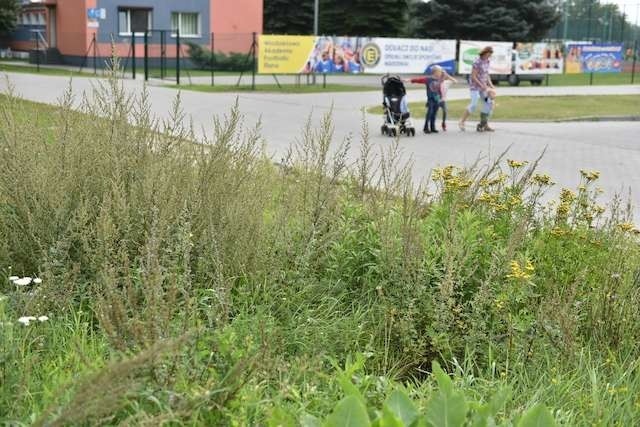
(161, 17)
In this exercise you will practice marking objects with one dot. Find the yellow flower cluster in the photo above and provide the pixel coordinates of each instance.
(542, 179)
(515, 200)
(515, 164)
(628, 227)
(452, 177)
(557, 231)
(566, 199)
(519, 271)
(567, 195)
(590, 175)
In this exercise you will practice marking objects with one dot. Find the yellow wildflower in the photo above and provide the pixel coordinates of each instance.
(567, 195)
(518, 272)
(557, 231)
(542, 179)
(515, 200)
(590, 175)
(515, 164)
(626, 226)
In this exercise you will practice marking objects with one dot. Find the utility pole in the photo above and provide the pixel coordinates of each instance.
(316, 16)
(565, 28)
(589, 22)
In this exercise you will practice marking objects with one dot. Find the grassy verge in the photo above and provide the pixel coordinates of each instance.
(544, 108)
(199, 284)
(283, 88)
(32, 69)
(598, 79)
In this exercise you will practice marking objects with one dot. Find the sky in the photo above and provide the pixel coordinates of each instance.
(628, 6)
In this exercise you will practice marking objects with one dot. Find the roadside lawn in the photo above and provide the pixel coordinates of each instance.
(544, 108)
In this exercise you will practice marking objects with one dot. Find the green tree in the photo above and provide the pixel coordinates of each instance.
(363, 17)
(337, 17)
(9, 10)
(499, 20)
(288, 17)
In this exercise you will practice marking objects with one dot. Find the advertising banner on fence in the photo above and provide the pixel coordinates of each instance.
(594, 58)
(500, 60)
(539, 58)
(284, 54)
(308, 54)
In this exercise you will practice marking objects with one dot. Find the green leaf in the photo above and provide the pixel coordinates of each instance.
(538, 416)
(447, 410)
(308, 420)
(389, 419)
(281, 418)
(402, 407)
(349, 412)
(420, 422)
(444, 382)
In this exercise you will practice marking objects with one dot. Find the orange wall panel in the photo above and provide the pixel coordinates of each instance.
(73, 35)
(236, 16)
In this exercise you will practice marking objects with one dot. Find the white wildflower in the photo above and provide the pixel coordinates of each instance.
(13, 278)
(25, 320)
(43, 318)
(37, 280)
(23, 282)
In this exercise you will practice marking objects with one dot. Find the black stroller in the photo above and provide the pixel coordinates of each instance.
(395, 121)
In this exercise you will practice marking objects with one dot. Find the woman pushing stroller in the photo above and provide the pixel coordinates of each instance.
(434, 83)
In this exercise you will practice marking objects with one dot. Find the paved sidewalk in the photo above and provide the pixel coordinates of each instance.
(610, 147)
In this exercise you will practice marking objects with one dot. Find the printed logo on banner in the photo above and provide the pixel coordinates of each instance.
(371, 55)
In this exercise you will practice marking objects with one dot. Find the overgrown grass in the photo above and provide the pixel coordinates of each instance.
(545, 108)
(44, 70)
(598, 79)
(283, 88)
(200, 284)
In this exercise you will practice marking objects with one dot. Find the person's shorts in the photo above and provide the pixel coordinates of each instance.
(473, 104)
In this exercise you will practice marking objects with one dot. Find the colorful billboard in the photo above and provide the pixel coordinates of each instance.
(539, 58)
(594, 58)
(308, 54)
(284, 54)
(501, 62)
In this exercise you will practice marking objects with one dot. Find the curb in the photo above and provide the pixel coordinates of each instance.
(601, 119)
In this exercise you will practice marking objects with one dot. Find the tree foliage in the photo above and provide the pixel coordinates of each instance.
(337, 17)
(9, 10)
(508, 20)
(363, 17)
(288, 17)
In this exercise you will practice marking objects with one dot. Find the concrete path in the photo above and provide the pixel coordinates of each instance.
(613, 148)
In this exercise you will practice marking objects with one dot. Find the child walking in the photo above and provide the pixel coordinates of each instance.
(489, 98)
(433, 83)
(444, 88)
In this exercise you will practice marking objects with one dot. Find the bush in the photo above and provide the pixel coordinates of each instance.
(233, 61)
(192, 281)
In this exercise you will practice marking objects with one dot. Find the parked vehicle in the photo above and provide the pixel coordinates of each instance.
(514, 79)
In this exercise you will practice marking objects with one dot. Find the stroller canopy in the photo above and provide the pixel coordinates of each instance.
(393, 87)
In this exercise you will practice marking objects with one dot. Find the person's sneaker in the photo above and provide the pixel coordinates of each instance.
(488, 129)
(444, 126)
(426, 131)
(434, 131)
(480, 128)
(461, 126)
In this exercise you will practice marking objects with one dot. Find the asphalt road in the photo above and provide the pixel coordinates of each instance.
(612, 147)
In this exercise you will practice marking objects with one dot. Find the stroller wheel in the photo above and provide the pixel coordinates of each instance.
(412, 131)
(383, 130)
(393, 132)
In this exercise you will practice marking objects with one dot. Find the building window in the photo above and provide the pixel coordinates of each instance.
(26, 18)
(187, 23)
(41, 18)
(134, 21)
